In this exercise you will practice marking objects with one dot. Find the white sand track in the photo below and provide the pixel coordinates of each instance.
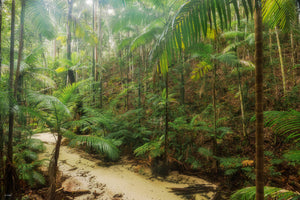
(117, 178)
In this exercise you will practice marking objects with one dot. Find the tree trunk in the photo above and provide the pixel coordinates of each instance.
(214, 166)
(293, 58)
(17, 84)
(94, 55)
(281, 62)
(259, 63)
(182, 90)
(166, 120)
(1, 124)
(242, 103)
(70, 71)
(9, 178)
(53, 168)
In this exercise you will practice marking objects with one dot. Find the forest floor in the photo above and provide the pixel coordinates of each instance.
(83, 177)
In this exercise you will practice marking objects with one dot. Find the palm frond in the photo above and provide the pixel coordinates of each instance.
(68, 92)
(38, 14)
(150, 34)
(279, 12)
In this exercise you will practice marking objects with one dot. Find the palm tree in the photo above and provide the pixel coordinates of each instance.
(9, 170)
(198, 14)
(259, 136)
(1, 123)
(21, 44)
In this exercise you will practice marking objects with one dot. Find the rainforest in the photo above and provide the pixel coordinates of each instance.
(149, 99)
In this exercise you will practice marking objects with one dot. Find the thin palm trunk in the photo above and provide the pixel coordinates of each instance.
(166, 120)
(100, 56)
(259, 62)
(242, 101)
(18, 79)
(9, 178)
(94, 55)
(1, 124)
(281, 62)
(182, 90)
(214, 167)
(293, 58)
(71, 75)
(271, 64)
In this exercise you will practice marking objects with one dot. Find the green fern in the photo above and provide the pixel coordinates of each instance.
(293, 156)
(98, 144)
(152, 148)
(270, 192)
(284, 122)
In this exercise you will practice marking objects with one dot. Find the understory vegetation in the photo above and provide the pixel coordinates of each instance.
(175, 84)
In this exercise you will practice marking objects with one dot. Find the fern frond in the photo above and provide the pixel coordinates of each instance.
(99, 144)
(284, 122)
(270, 192)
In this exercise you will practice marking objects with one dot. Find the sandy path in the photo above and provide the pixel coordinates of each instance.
(117, 178)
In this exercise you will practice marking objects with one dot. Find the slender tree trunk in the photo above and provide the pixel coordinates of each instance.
(182, 90)
(139, 79)
(54, 50)
(214, 166)
(167, 120)
(18, 79)
(242, 102)
(94, 55)
(70, 71)
(271, 63)
(281, 62)
(259, 63)
(100, 57)
(53, 168)
(293, 58)
(1, 123)
(9, 178)
(20, 53)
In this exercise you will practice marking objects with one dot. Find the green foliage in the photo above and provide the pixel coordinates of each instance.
(27, 162)
(205, 152)
(37, 12)
(284, 122)
(99, 144)
(280, 12)
(152, 148)
(270, 192)
(293, 156)
(234, 165)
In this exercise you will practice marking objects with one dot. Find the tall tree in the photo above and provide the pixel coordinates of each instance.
(1, 123)
(259, 63)
(9, 175)
(21, 44)
(71, 75)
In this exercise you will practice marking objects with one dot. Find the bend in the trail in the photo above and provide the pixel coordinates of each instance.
(116, 179)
